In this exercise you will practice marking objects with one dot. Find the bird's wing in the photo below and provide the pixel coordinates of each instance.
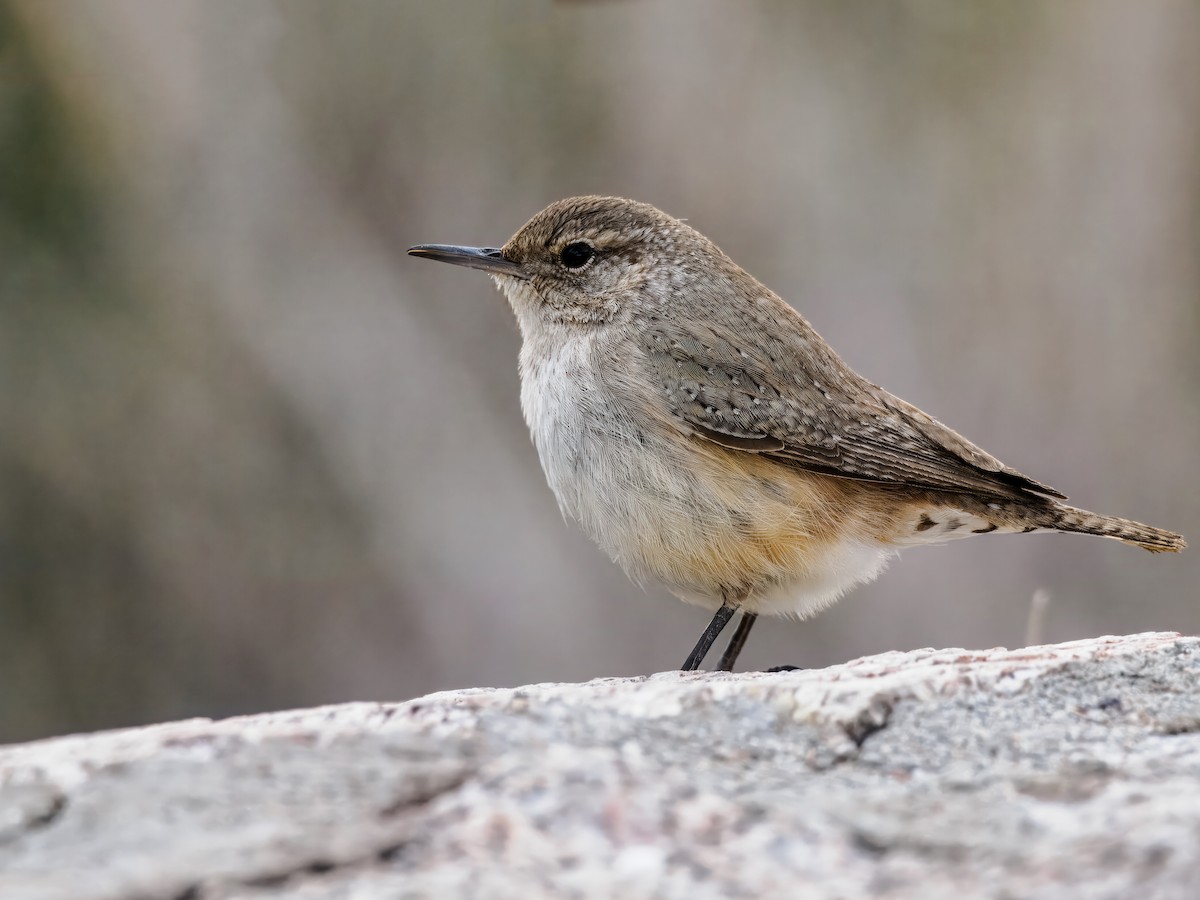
(824, 418)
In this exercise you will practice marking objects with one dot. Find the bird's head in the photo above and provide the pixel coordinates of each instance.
(591, 260)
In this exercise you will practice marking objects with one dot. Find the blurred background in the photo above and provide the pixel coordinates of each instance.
(252, 456)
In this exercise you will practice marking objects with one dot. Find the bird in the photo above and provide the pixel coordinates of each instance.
(705, 436)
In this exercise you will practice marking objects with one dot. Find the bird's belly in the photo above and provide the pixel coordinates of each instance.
(710, 535)
(729, 536)
(706, 521)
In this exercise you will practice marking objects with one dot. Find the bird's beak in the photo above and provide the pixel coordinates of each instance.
(487, 259)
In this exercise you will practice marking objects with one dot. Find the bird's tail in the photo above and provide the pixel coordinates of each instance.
(1061, 517)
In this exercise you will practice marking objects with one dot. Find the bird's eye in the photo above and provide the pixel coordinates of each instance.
(577, 255)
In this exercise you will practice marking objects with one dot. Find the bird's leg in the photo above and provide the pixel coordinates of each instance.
(737, 642)
(719, 621)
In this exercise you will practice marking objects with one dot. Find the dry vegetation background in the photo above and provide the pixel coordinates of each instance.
(252, 456)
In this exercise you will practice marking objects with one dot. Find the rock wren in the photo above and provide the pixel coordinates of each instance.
(702, 433)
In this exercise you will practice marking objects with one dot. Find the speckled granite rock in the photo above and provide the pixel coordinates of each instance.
(1068, 770)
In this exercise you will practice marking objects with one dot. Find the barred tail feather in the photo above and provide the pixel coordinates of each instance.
(1080, 521)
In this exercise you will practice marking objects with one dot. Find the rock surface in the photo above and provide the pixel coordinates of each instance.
(1067, 770)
